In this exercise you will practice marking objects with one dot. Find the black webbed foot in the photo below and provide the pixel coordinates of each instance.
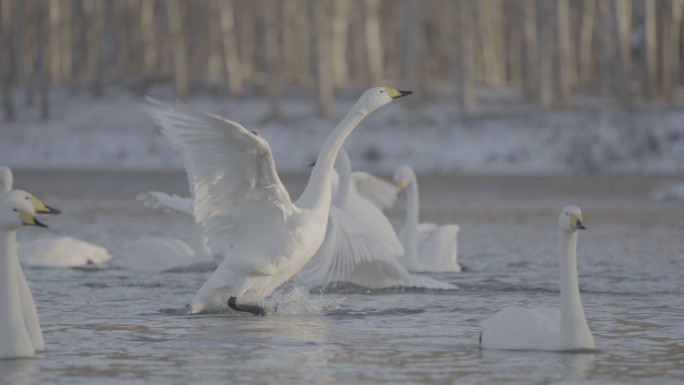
(256, 310)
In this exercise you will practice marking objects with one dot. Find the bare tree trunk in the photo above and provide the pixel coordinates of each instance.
(30, 43)
(566, 64)
(515, 43)
(671, 15)
(149, 42)
(340, 27)
(231, 55)
(677, 10)
(651, 48)
(177, 32)
(493, 58)
(623, 15)
(7, 17)
(606, 48)
(546, 55)
(324, 83)
(66, 53)
(586, 43)
(408, 52)
(272, 53)
(373, 40)
(246, 38)
(95, 17)
(531, 50)
(468, 74)
(55, 41)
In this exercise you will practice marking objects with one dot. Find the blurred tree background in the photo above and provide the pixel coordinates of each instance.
(552, 51)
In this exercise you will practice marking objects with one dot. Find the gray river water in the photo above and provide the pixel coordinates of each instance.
(111, 326)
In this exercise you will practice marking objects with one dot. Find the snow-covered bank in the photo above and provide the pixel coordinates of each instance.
(505, 135)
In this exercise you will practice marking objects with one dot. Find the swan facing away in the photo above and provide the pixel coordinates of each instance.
(517, 328)
(429, 248)
(242, 206)
(360, 245)
(20, 332)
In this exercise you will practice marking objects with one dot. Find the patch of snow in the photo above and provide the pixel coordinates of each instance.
(503, 135)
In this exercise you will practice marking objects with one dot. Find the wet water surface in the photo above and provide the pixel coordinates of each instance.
(110, 325)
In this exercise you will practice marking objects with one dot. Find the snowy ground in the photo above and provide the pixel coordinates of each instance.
(505, 135)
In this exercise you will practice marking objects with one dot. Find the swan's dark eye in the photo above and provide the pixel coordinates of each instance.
(15, 210)
(381, 91)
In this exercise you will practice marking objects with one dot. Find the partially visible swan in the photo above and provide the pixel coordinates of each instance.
(429, 248)
(158, 254)
(60, 252)
(242, 206)
(360, 245)
(669, 193)
(56, 251)
(375, 190)
(518, 328)
(20, 331)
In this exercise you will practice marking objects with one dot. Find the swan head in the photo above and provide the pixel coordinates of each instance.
(403, 176)
(38, 206)
(377, 97)
(15, 213)
(570, 219)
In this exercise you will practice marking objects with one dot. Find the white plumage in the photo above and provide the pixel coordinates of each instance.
(242, 206)
(360, 245)
(429, 247)
(518, 328)
(20, 331)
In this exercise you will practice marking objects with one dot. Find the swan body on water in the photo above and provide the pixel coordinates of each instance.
(160, 254)
(20, 331)
(51, 252)
(61, 252)
(360, 244)
(429, 248)
(242, 206)
(518, 328)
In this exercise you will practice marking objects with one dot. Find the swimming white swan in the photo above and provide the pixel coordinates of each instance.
(20, 332)
(55, 251)
(360, 245)
(159, 254)
(243, 207)
(62, 252)
(518, 328)
(375, 190)
(429, 248)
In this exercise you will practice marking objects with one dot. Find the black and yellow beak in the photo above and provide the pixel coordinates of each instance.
(42, 208)
(579, 225)
(395, 94)
(399, 185)
(29, 220)
(576, 222)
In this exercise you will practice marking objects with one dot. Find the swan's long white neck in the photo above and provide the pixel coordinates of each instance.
(6, 178)
(11, 314)
(317, 194)
(411, 224)
(343, 167)
(573, 323)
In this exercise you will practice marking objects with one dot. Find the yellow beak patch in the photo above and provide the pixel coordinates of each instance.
(27, 218)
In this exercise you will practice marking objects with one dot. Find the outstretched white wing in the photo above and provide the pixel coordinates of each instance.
(235, 189)
(163, 201)
(375, 190)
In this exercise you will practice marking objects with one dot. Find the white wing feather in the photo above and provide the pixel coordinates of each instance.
(235, 189)
(346, 246)
(163, 201)
(378, 191)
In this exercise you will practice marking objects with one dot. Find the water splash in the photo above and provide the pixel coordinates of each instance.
(290, 300)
